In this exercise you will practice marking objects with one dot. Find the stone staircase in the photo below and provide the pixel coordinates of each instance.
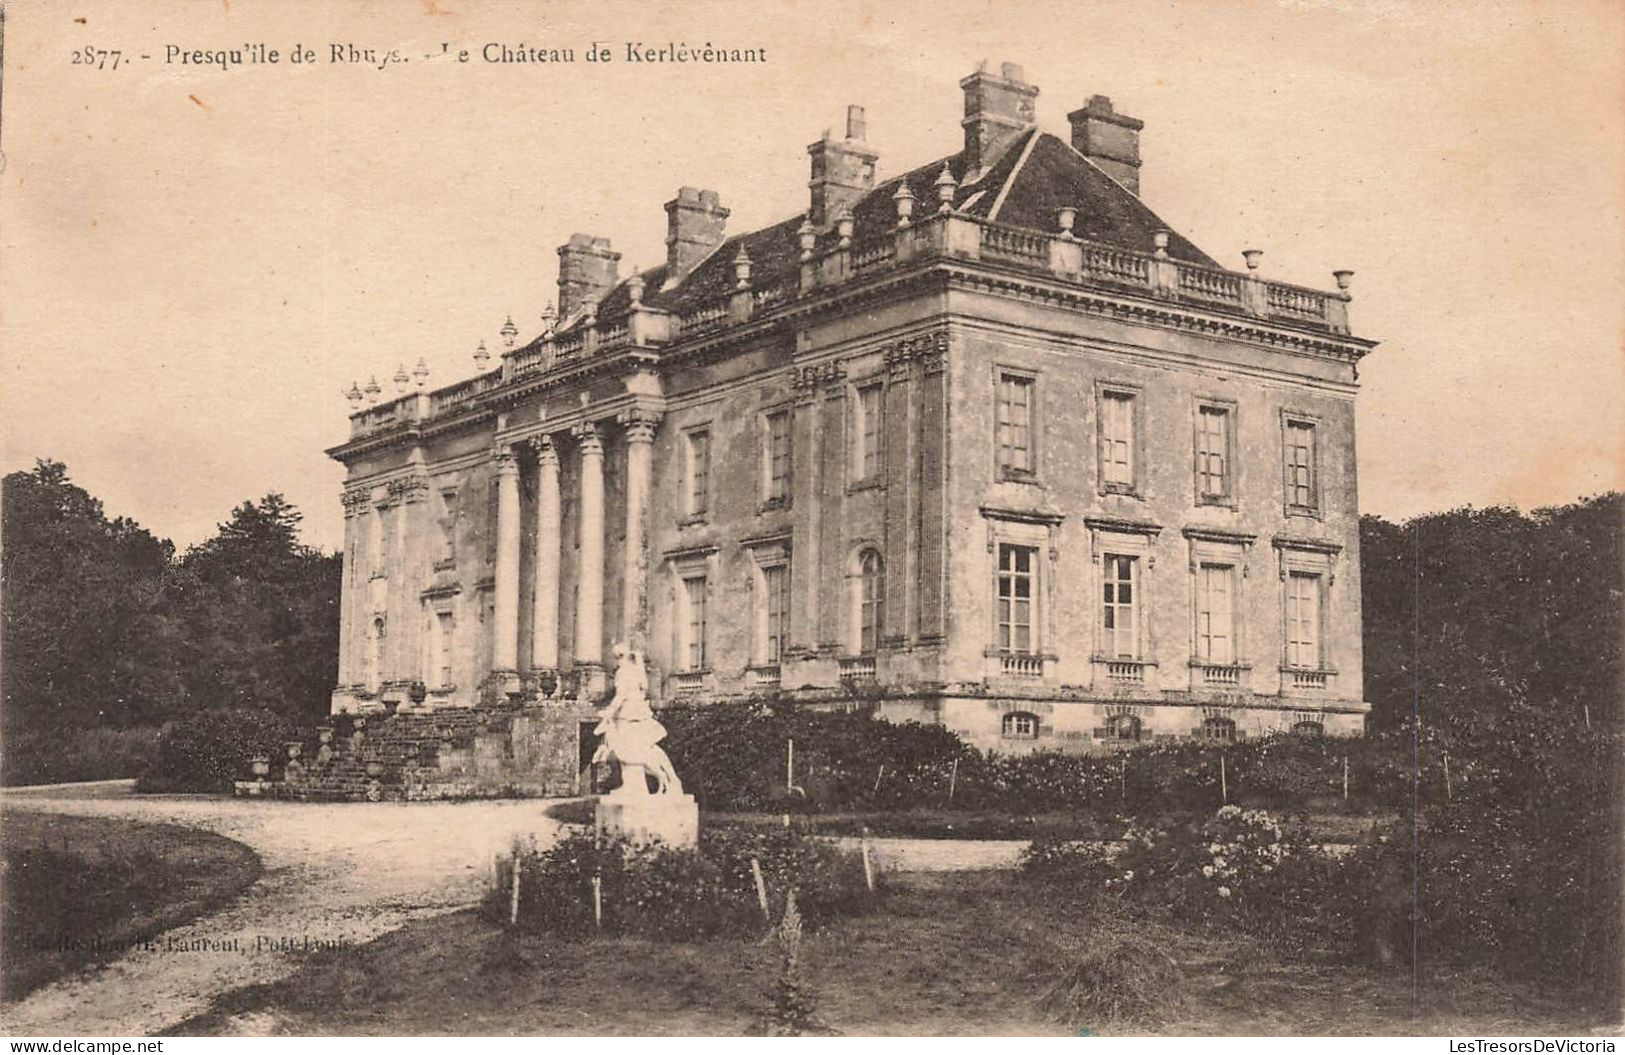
(490, 751)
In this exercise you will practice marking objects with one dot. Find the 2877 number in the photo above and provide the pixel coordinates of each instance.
(97, 58)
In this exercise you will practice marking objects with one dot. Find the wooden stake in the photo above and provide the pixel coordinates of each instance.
(1122, 778)
(1586, 707)
(789, 764)
(953, 778)
(878, 775)
(1224, 785)
(598, 901)
(513, 900)
(1449, 793)
(868, 866)
(761, 888)
(1345, 778)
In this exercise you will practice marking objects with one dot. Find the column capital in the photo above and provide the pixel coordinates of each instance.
(356, 500)
(503, 457)
(543, 451)
(640, 423)
(588, 436)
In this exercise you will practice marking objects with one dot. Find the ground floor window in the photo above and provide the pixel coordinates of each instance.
(1222, 730)
(1123, 727)
(1019, 725)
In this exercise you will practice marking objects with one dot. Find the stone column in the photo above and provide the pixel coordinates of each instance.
(544, 642)
(351, 591)
(589, 636)
(640, 436)
(505, 642)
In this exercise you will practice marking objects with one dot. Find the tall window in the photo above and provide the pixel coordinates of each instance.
(1017, 565)
(1300, 465)
(445, 625)
(1215, 614)
(1117, 616)
(692, 623)
(1303, 620)
(775, 598)
(375, 670)
(871, 601)
(697, 472)
(448, 524)
(1019, 725)
(1117, 441)
(1212, 453)
(776, 456)
(869, 433)
(1014, 425)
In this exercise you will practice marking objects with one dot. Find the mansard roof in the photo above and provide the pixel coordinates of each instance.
(1037, 176)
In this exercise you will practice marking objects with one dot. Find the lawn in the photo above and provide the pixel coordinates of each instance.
(81, 890)
(965, 954)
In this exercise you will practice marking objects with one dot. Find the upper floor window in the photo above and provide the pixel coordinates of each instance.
(1214, 470)
(1015, 593)
(868, 449)
(448, 525)
(1215, 614)
(776, 457)
(1118, 616)
(1299, 451)
(696, 472)
(775, 612)
(1013, 415)
(1303, 621)
(1019, 725)
(1117, 447)
(691, 614)
(871, 601)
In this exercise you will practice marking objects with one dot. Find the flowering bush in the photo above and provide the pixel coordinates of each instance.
(675, 894)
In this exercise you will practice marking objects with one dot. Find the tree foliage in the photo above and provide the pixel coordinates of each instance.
(108, 628)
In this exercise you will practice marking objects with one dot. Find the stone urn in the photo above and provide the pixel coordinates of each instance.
(375, 769)
(325, 734)
(420, 692)
(261, 766)
(295, 748)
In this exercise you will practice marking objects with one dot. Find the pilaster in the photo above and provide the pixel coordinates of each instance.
(544, 647)
(589, 630)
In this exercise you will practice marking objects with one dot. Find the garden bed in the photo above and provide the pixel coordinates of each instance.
(948, 955)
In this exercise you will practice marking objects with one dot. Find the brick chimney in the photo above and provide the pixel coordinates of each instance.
(587, 270)
(998, 109)
(843, 170)
(1109, 139)
(694, 223)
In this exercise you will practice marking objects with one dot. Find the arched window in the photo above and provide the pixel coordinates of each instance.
(377, 664)
(1221, 729)
(1123, 727)
(1019, 725)
(1308, 728)
(871, 606)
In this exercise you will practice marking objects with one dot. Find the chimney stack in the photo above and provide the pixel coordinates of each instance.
(842, 171)
(694, 224)
(1109, 139)
(998, 109)
(587, 270)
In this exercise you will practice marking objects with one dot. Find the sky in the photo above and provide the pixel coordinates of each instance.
(195, 262)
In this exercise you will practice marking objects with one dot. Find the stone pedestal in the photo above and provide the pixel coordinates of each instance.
(631, 813)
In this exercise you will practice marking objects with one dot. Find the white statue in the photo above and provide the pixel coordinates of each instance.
(631, 734)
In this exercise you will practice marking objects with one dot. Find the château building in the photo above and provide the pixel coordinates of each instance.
(983, 444)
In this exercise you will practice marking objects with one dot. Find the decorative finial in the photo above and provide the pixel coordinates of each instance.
(549, 317)
(1342, 278)
(401, 379)
(372, 390)
(1252, 256)
(1160, 240)
(808, 234)
(354, 396)
(1065, 217)
(742, 268)
(945, 189)
(634, 288)
(421, 372)
(843, 228)
(481, 356)
(904, 200)
(509, 331)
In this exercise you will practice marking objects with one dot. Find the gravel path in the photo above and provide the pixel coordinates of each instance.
(333, 873)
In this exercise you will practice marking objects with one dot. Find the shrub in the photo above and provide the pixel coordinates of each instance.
(1120, 977)
(208, 750)
(673, 893)
(60, 756)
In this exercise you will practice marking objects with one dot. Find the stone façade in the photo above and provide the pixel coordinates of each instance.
(502, 533)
